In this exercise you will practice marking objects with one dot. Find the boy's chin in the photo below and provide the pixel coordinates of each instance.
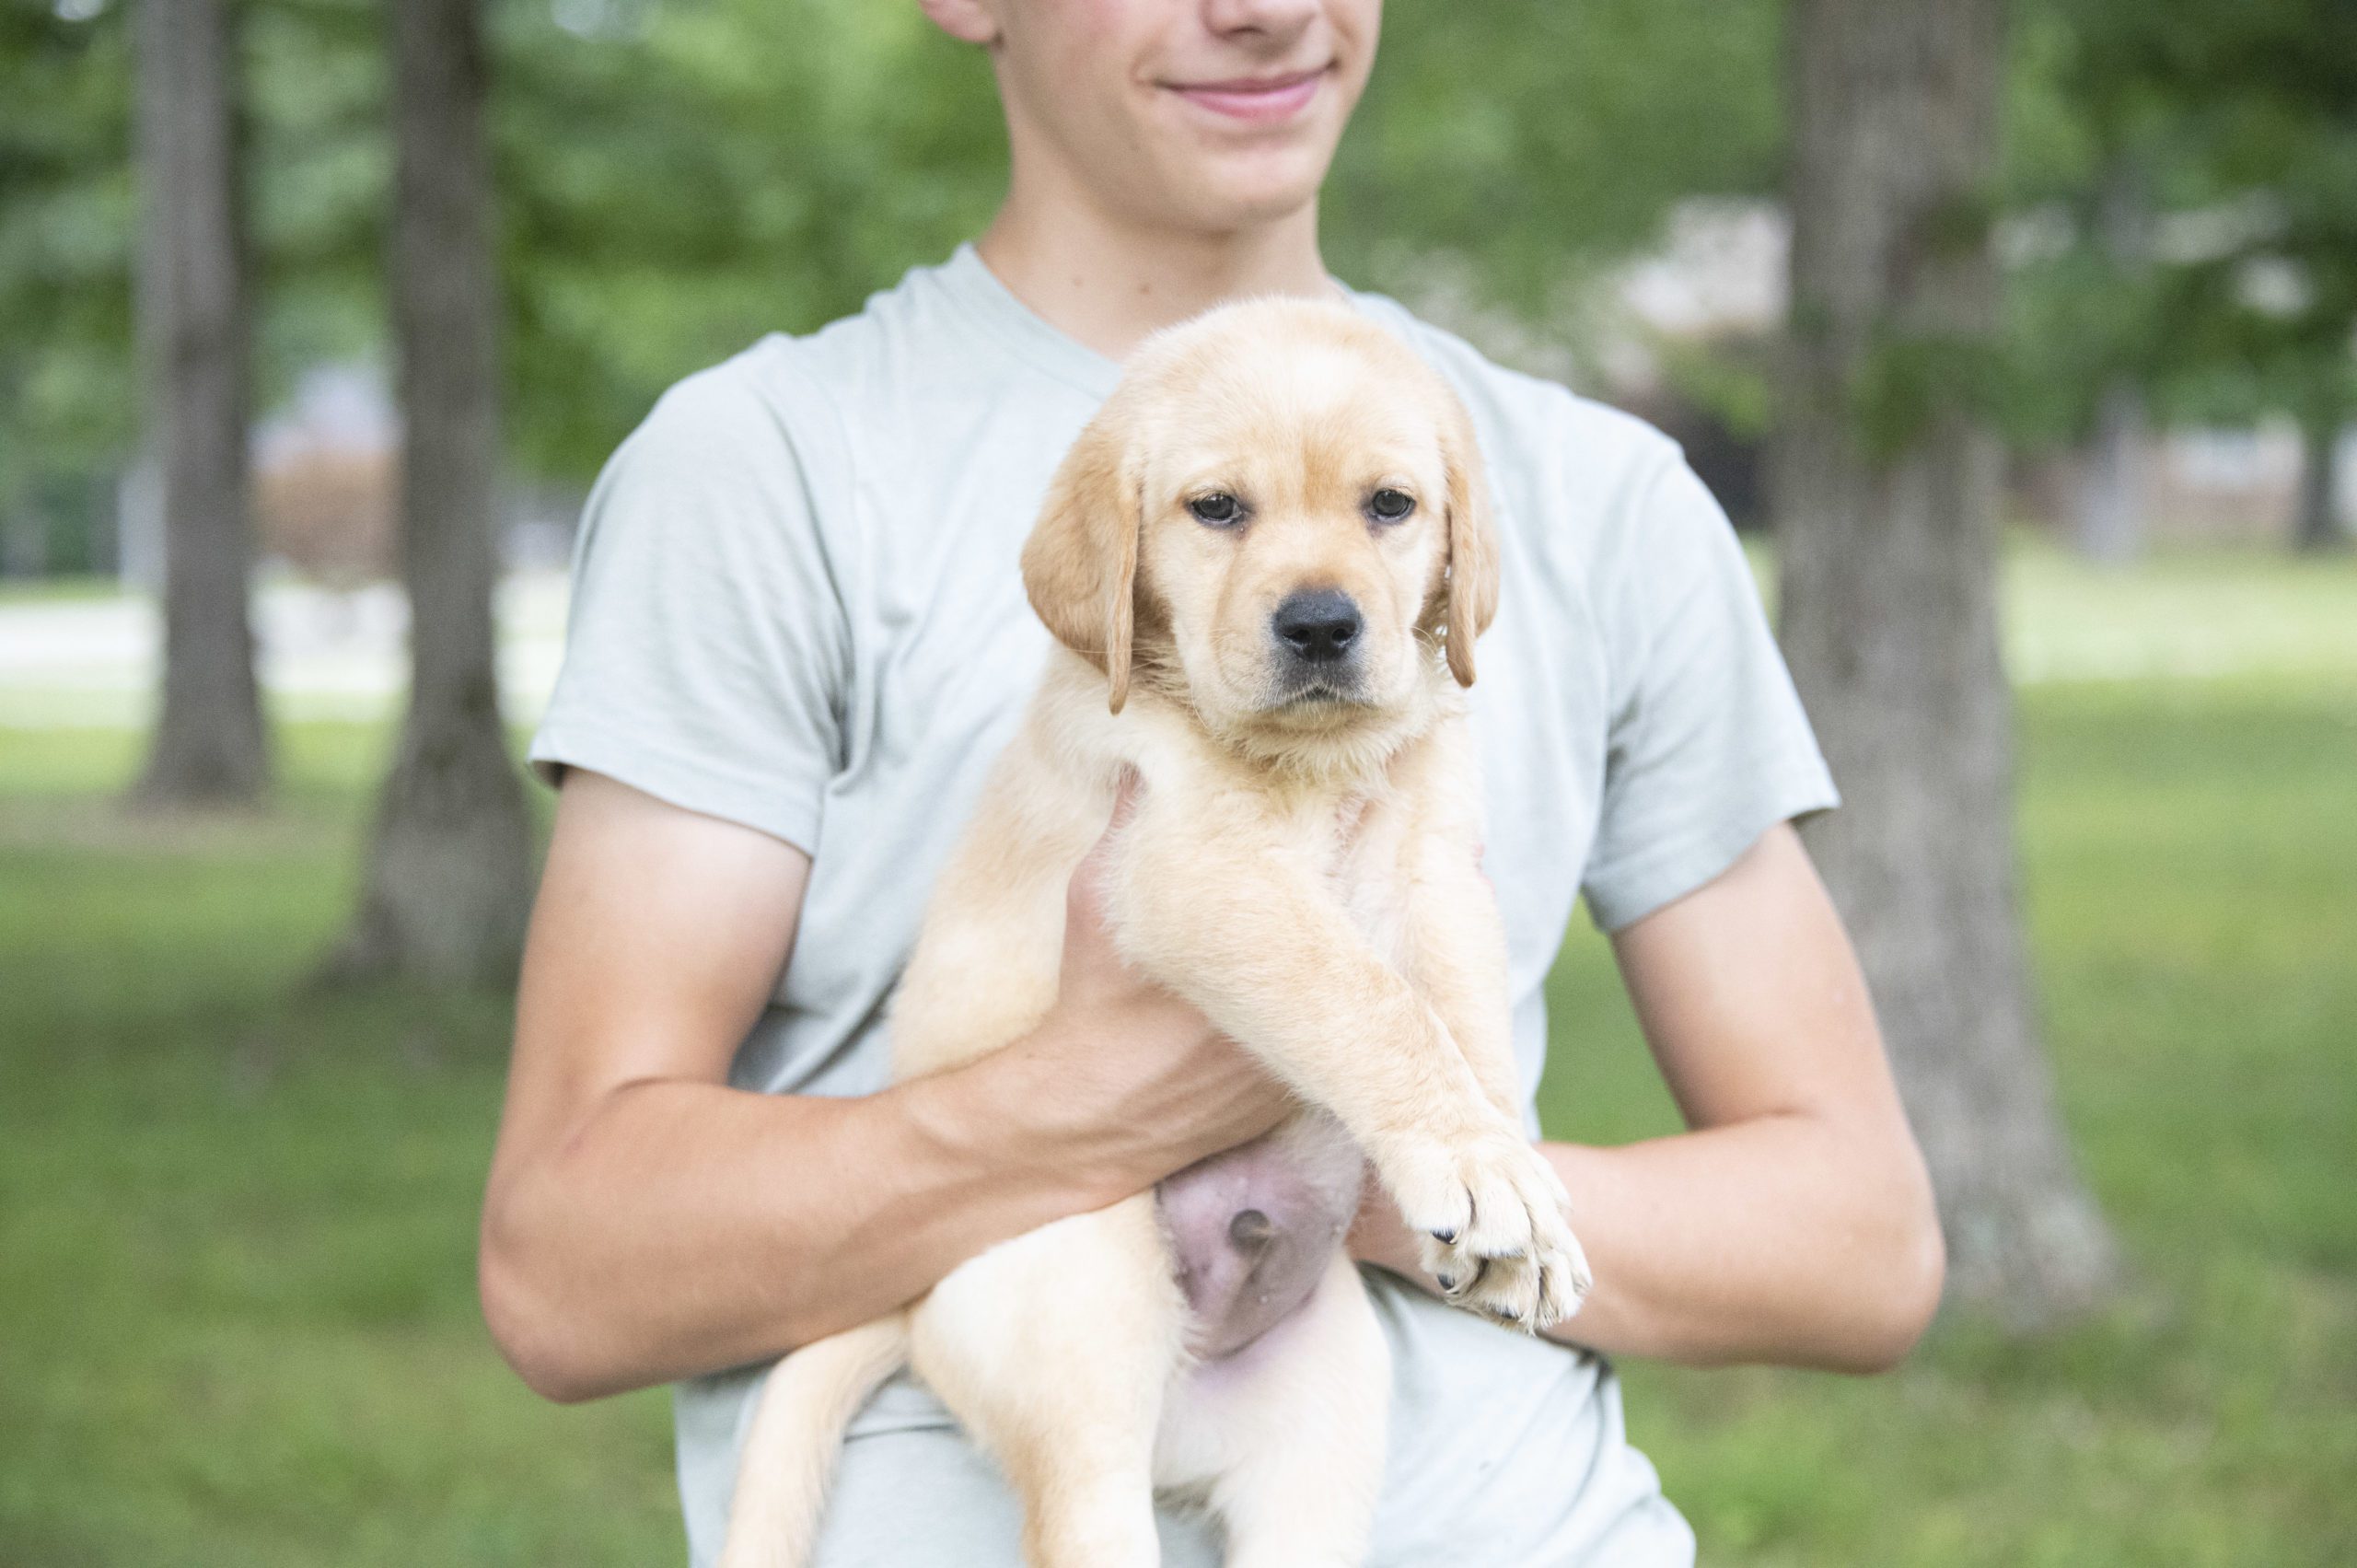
(1237, 192)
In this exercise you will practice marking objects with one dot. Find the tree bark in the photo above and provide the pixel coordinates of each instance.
(1889, 536)
(448, 882)
(209, 745)
(2317, 527)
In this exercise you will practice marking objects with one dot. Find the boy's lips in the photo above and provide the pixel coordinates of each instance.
(1270, 97)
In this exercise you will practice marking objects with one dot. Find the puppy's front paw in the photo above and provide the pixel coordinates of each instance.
(1533, 1291)
(1492, 1211)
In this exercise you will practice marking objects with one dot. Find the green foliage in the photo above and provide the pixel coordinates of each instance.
(318, 168)
(695, 177)
(676, 180)
(2196, 165)
(70, 400)
(1534, 143)
(238, 1218)
(65, 217)
(1733, 381)
(1906, 381)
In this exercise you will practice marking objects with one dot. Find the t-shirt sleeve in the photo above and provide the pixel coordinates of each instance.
(707, 651)
(1708, 745)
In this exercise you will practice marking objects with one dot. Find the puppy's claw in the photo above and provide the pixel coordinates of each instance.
(1458, 1286)
(1554, 1306)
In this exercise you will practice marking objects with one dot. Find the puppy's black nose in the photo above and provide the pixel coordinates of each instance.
(1317, 624)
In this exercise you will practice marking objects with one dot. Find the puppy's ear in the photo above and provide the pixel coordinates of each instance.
(1080, 565)
(1471, 587)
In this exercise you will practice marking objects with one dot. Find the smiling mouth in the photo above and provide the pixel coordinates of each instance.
(1263, 99)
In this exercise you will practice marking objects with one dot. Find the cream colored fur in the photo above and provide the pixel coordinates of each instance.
(1306, 873)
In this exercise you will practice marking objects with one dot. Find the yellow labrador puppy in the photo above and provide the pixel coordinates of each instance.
(1266, 559)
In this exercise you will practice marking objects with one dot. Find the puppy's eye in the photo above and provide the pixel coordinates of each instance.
(1389, 506)
(1219, 508)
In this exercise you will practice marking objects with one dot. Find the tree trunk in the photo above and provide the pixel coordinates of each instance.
(1889, 565)
(209, 746)
(2319, 528)
(449, 876)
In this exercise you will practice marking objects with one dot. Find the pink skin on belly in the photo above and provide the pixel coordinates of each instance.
(1251, 1230)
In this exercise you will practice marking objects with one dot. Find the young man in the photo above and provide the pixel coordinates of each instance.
(798, 640)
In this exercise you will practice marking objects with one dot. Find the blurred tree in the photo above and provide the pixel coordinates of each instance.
(1885, 476)
(449, 883)
(2081, 163)
(679, 180)
(314, 157)
(2196, 166)
(68, 402)
(2266, 94)
(209, 745)
(321, 178)
(1533, 146)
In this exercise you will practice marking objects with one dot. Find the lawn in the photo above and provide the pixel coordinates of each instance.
(236, 1216)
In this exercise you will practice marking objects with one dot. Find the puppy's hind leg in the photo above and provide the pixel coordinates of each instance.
(1285, 1439)
(1055, 1350)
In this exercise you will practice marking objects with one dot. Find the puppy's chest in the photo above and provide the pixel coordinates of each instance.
(1367, 867)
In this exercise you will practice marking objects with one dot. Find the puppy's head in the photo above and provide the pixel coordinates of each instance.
(1281, 513)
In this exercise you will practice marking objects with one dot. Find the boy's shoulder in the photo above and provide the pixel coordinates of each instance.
(1541, 419)
(803, 393)
(916, 351)
(1578, 479)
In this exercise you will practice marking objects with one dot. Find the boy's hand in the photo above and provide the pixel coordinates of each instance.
(1132, 1076)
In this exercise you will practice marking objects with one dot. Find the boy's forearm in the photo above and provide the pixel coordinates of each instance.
(1781, 1239)
(686, 1226)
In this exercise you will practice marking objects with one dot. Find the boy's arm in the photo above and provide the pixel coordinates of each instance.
(1795, 1222)
(643, 1221)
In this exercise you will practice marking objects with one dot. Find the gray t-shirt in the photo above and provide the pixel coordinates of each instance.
(796, 606)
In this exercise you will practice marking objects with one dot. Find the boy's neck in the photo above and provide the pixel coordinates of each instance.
(1110, 282)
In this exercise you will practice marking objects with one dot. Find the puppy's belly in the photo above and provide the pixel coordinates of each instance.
(1253, 1230)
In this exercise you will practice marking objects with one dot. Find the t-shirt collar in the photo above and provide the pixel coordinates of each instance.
(972, 283)
(970, 280)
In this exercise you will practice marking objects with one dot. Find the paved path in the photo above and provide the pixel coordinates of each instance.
(92, 662)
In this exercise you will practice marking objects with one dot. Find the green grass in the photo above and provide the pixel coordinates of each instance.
(2197, 615)
(236, 1312)
(57, 590)
(237, 1219)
